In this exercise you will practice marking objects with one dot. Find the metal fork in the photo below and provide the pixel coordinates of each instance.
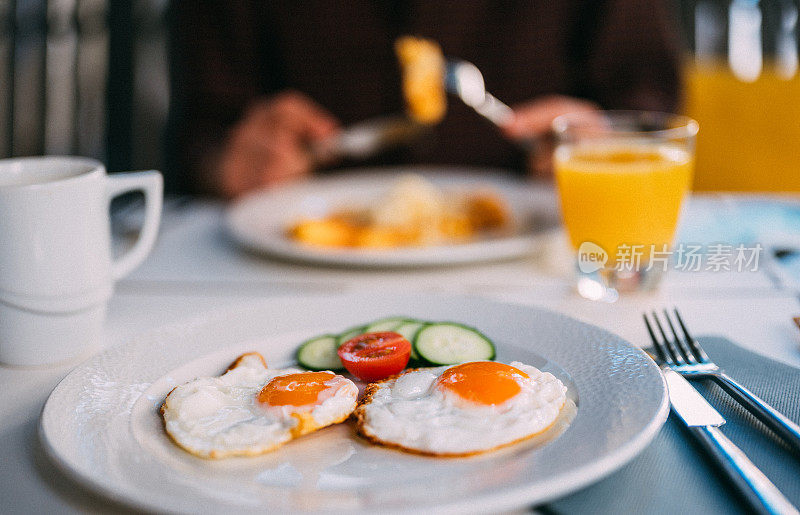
(685, 356)
(465, 80)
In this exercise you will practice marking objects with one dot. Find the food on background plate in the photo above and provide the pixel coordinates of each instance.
(413, 213)
(431, 344)
(460, 410)
(423, 74)
(251, 409)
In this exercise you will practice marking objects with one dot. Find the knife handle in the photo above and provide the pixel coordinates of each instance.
(772, 418)
(756, 487)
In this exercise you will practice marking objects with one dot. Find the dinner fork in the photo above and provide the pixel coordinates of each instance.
(370, 137)
(687, 357)
(465, 80)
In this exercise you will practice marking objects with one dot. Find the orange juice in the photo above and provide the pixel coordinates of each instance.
(622, 193)
(751, 131)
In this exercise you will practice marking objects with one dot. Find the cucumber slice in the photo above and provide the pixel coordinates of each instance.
(319, 353)
(350, 334)
(449, 343)
(384, 324)
(409, 330)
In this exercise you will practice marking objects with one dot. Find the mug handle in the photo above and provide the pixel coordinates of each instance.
(152, 185)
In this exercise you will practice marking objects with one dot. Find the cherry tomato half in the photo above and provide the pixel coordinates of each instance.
(374, 356)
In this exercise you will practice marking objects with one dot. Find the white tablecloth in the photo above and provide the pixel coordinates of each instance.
(196, 269)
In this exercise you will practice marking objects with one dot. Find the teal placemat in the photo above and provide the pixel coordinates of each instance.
(673, 475)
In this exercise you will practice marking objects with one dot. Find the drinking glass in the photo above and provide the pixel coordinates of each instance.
(622, 177)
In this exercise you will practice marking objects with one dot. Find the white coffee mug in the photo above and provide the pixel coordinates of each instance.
(56, 268)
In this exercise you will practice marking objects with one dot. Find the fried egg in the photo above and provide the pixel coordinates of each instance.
(251, 409)
(462, 409)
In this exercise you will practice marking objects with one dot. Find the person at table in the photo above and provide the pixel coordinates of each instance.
(256, 83)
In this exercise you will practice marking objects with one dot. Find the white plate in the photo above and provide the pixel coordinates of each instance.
(101, 423)
(259, 220)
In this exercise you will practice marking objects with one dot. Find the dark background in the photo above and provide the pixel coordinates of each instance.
(90, 77)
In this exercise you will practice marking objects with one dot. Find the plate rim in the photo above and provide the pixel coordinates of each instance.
(504, 498)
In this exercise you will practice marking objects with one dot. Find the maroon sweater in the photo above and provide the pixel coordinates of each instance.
(226, 53)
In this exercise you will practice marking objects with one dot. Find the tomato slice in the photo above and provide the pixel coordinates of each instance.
(374, 356)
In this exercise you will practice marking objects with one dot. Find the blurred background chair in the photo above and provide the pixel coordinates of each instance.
(85, 77)
(90, 77)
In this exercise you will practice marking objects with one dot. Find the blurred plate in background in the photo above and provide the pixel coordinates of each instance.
(259, 221)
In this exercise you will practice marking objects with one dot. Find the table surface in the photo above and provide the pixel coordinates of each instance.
(196, 269)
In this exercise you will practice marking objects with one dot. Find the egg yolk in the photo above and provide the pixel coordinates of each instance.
(483, 382)
(295, 389)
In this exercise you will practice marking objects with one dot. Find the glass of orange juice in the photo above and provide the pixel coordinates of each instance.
(622, 177)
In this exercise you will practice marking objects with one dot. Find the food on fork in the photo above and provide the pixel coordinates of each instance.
(460, 410)
(414, 212)
(252, 409)
(423, 72)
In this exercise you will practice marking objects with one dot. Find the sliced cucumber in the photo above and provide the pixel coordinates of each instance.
(319, 353)
(350, 334)
(384, 324)
(448, 343)
(409, 330)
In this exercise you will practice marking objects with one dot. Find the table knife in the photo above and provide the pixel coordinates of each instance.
(703, 421)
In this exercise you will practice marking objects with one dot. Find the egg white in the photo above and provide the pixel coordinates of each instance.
(413, 413)
(215, 417)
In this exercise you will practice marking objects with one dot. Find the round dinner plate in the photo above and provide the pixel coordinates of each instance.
(259, 221)
(101, 423)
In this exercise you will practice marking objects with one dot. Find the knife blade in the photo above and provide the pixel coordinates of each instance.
(688, 404)
(703, 422)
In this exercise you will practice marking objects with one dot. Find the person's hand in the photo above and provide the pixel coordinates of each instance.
(270, 144)
(532, 122)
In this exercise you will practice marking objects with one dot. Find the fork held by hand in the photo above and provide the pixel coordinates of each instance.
(685, 356)
(465, 80)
